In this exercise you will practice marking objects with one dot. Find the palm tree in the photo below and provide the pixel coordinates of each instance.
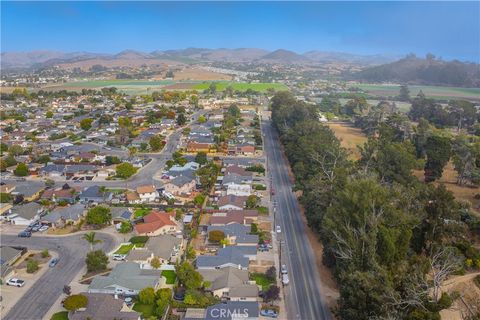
(90, 237)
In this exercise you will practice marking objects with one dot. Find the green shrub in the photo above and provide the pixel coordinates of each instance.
(32, 266)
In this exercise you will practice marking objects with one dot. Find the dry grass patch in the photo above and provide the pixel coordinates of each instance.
(349, 136)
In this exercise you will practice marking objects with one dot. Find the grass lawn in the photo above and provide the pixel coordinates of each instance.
(170, 275)
(124, 249)
(242, 86)
(261, 280)
(145, 309)
(62, 315)
(263, 211)
(139, 241)
(141, 212)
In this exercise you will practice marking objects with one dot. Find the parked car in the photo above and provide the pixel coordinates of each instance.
(53, 262)
(263, 248)
(279, 230)
(25, 234)
(284, 269)
(285, 279)
(43, 228)
(118, 257)
(269, 313)
(15, 282)
(36, 227)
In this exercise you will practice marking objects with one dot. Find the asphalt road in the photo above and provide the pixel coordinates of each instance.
(303, 294)
(36, 302)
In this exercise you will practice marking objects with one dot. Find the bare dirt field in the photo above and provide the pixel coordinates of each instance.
(180, 86)
(449, 179)
(350, 136)
(469, 301)
(199, 74)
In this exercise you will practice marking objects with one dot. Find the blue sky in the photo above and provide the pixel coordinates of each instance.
(447, 29)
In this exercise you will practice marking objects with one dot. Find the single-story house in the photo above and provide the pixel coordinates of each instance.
(120, 214)
(167, 248)
(60, 217)
(239, 190)
(224, 281)
(237, 234)
(231, 202)
(147, 193)
(126, 278)
(8, 256)
(233, 310)
(105, 307)
(231, 256)
(25, 214)
(245, 217)
(94, 194)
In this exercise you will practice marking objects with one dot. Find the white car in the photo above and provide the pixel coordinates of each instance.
(285, 279)
(118, 257)
(15, 282)
(43, 228)
(279, 230)
(284, 269)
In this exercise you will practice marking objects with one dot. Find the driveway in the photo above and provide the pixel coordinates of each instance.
(36, 302)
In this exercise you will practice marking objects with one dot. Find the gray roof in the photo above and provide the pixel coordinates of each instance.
(127, 275)
(181, 180)
(224, 278)
(235, 178)
(138, 255)
(234, 310)
(244, 291)
(121, 213)
(103, 306)
(28, 189)
(240, 231)
(162, 246)
(67, 213)
(28, 210)
(94, 192)
(236, 255)
(241, 162)
(186, 173)
(7, 254)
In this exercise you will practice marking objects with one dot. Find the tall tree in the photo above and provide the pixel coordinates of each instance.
(438, 151)
(90, 237)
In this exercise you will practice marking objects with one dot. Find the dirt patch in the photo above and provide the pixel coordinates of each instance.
(200, 74)
(179, 86)
(468, 302)
(350, 137)
(33, 255)
(449, 180)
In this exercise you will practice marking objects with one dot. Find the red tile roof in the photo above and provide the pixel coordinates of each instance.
(154, 221)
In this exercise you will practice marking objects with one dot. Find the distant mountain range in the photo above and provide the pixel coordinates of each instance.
(413, 70)
(38, 59)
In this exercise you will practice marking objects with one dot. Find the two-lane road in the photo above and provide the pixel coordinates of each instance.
(303, 295)
(72, 250)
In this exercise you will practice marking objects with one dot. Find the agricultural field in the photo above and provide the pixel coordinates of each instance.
(403, 107)
(436, 92)
(242, 86)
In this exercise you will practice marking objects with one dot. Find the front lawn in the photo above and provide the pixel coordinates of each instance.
(147, 310)
(124, 249)
(139, 241)
(170, 275)
(62, 315)
(261, 280)
(263, 211)
(141, 212)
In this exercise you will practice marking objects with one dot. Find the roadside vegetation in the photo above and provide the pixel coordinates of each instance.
(390, 239)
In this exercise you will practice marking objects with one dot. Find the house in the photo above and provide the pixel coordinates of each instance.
(239, 190)
(180, 185)
(188, 166)
(7, 188)
(61, 217)
(29, 192)
(63, 194)
(231, 202)
(246, 217)
(147, 193)
(25, 214)
(133, 197)
(120, 214)
(227, 280)
(167, 248)
(95, 194)
(105, 307)
(193, 146)
(237, 234)
(8, 256)
(156, 223)
(233, 310)
(231, 256)
(126, 278)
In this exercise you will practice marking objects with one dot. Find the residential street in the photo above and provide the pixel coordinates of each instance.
(36, 302)
(303, 294)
